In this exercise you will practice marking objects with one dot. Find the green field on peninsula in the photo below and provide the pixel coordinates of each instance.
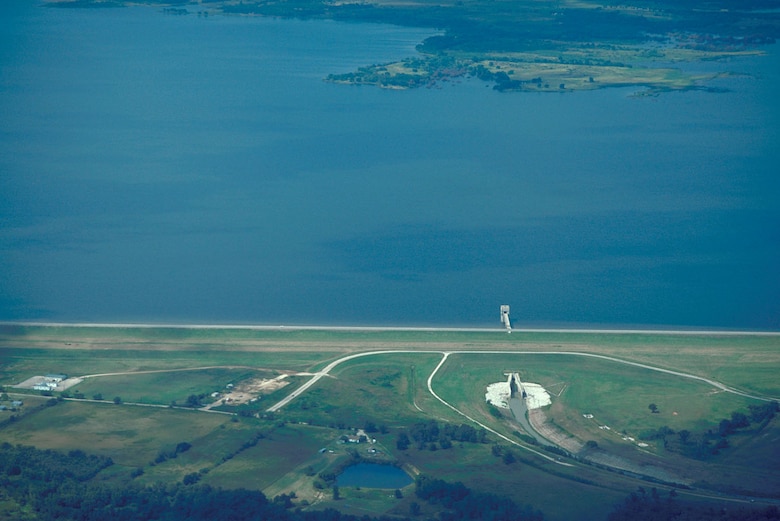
(533, 46)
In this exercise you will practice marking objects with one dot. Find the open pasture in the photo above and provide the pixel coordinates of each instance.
(618, 397)
(208, 450)
(382, 389)
(132, 436)
(526, 481)
(167, 386)
(281, 452)
(733, 359)
(750, 466)
(19, 364)
(741, 361)
(619, 394)
(615, 394)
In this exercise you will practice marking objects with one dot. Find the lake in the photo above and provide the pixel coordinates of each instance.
(158, 168)
(373, 475)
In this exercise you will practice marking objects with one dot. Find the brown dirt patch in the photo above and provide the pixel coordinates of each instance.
(540, 423)
(35, 380)
(249, 390)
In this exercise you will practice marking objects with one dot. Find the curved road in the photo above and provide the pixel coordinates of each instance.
(327, 369)
(513, 442)
(445, 355)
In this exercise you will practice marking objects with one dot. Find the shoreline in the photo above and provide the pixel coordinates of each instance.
(432, 329)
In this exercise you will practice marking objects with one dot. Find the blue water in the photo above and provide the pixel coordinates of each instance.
(372, 475)
(187, 169)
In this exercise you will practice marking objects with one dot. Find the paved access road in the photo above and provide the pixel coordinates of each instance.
(445, 355)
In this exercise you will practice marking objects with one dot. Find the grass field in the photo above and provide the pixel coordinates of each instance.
(381, 389)
(166, 387)
(132, 436)
(541, 486)
(621, 399)
(281, 453)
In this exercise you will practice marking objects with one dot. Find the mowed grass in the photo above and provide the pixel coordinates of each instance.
(235, 336)
(234, 456)
(743, 361)
(131, 435)
(166, 387)
(619, 395)
(367, 501)
(272, 458)
(616, 394)
(18, 364)
(381, 389)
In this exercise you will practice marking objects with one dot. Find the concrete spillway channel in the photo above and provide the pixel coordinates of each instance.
(519, 408)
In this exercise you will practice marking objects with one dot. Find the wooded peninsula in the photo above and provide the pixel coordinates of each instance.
(532, 45)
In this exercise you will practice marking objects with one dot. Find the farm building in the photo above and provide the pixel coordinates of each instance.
(49, 382)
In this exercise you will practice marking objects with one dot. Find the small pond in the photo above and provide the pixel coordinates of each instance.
(373, 475)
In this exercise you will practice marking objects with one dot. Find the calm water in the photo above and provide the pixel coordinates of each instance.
(184, 169)
(372, 475)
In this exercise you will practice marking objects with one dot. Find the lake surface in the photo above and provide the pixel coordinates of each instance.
(159, 168)
(372, 475)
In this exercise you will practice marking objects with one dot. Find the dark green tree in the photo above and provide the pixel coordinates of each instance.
(508, 458)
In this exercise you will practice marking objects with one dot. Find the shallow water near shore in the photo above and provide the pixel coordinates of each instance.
(187, 169)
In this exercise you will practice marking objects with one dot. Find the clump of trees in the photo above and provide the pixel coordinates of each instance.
(505, 453)
(371, 427)
(52, 485)
(644, 506)
(462, 503)
(712, 441)
(430, 435)
(526, 438)
(164, 455)
(76, 464)
(194, 400)
(47, 484)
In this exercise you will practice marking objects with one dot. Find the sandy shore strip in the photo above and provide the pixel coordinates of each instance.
(501, 329)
